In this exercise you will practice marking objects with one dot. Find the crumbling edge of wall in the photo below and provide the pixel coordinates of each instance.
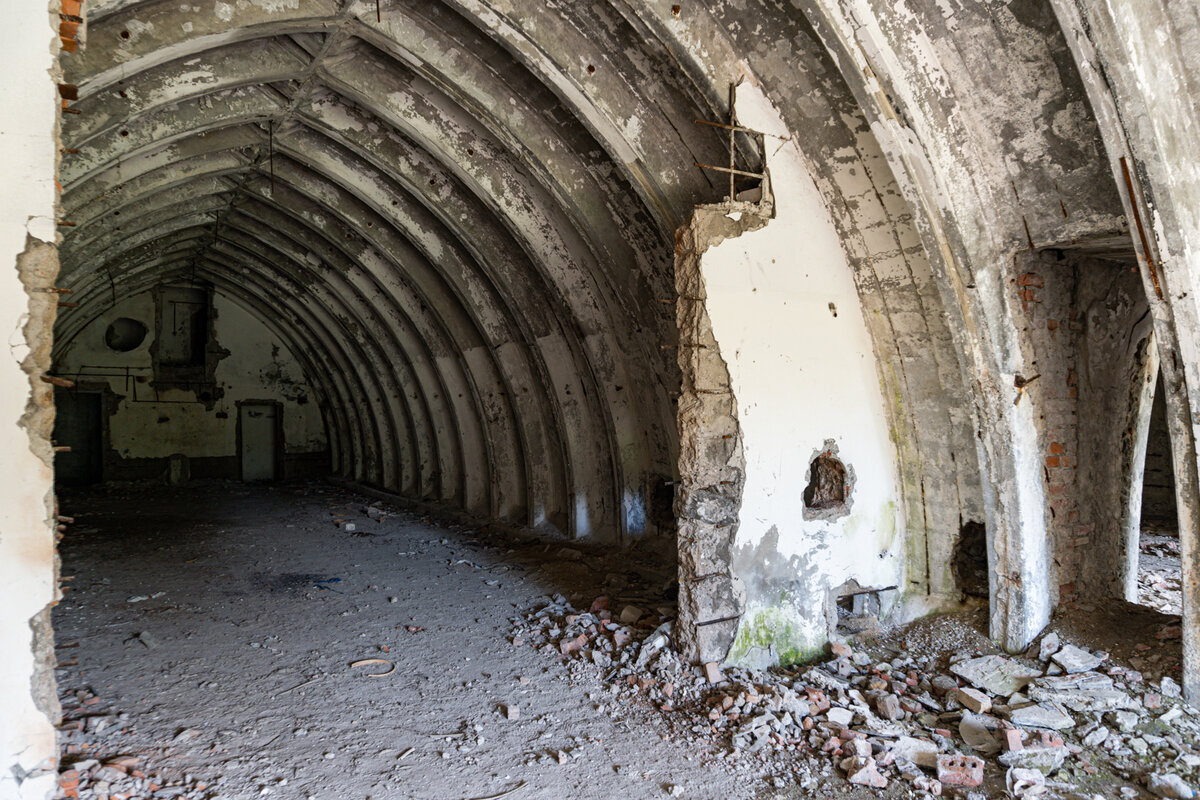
(711, 462)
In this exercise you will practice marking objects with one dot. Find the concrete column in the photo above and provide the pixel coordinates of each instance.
(1135, 62)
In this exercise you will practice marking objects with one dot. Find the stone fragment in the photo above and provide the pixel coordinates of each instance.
(996, 675)
(511, 711)
(674, 789)
(975, 732)
(1085, 692)
(1024, 783)
(840, 650)
(1042, 715)
(1125, 721)
(1171, 786)
(959, 770)
(867, 774)
(1075, 659)
(1096, 737)
(840, 716)
(712, 672)
(921, 752)
(943, 684)
(630, 615)
(1013, 740)
(1043, 759)
(888, 707)
(1169, 687)
(1049, 646)
(973, 699)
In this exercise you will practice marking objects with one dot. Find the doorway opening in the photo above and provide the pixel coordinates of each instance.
(1159, 568)
(260, 440)
(79, 437)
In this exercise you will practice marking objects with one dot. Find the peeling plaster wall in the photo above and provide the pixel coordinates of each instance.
(28, 154)
(147, 425)
(785, 314)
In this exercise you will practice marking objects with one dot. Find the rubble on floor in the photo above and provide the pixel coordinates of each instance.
(85, 734)
(1160, 573)
(1060, 721)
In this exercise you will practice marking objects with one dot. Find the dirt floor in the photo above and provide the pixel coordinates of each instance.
(209, 635)
(217, 626)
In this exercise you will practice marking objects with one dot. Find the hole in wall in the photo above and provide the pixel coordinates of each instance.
(969, 563)
(125, 334)
(854, 610)
(662, 504)
(826, 488)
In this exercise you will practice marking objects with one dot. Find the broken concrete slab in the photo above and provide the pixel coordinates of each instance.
(921, 752)
(997, 675)
(1083, 692)
(1075, 659)
(1045, 760)
(1042, 715)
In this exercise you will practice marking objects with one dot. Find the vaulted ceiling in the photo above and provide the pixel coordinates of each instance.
(462, 222)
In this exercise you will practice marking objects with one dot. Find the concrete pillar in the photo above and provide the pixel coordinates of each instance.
(1133, 57)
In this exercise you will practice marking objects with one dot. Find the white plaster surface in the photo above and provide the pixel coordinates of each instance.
(28, 151)
(259, 367)
(802, 375)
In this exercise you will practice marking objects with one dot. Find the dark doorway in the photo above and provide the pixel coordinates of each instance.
(259, 440)
(1159, 563)
(79, 425)
(1158, 481)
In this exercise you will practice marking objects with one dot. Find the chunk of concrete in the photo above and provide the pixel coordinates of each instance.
(1075, 659)
(921, 752)
(996, 675)
(840, 716)
(1042, 715)
(1171, 786)
(1045, 760)
(1084, 692)
(973, 700)
(867, 774)
(1049, 646)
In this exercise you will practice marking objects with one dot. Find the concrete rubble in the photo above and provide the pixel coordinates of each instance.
(83, 776)
(1060, 721)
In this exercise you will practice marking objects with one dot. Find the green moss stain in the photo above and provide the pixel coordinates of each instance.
(774, 628)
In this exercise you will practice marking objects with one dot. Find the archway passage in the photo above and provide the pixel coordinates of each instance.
(460, 258)
(1159, 567)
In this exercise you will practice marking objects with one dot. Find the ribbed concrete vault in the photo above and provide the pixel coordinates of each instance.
(439, 216)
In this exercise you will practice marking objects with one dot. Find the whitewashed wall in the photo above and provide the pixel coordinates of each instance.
(259, 367)
(801, 375)
(28, 153)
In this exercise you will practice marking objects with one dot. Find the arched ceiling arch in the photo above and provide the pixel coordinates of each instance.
(467, 234)
(466, 210)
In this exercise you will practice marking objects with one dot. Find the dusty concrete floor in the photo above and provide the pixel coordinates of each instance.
(256, 601)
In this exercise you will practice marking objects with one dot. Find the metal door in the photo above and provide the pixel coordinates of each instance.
(258, 433)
